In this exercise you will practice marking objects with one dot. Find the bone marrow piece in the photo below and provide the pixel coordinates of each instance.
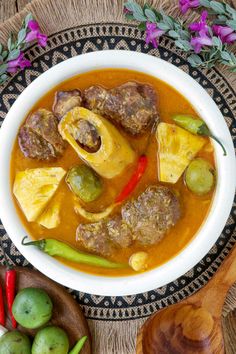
(132, 105)
(114, 153)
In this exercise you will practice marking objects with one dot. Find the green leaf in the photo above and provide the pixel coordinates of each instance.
(4, 77)
(195, 60)
(217, 7)
(217, 42)
(222, 18)
(173, 34)
(233, 69)
(136, 10)
(150, 15)
(142, 26)
(230, 10)
(21, 36)
(184, 35)
(163, 26)
(1, 48)
(205, 3)
(129, 16)
(232, 24)
(184, 45)
(168, 21)
(13, 54)
(28, 18)
(9, 42)
(225, 56)
(3, 69)
(4, 54)
(158, 15)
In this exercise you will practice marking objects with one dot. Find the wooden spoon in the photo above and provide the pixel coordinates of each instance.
(193, 325)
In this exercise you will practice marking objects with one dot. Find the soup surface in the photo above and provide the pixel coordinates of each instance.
(194, 208)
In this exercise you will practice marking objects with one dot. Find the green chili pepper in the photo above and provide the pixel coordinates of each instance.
(57, 248)
(195, 126)
(78, 346)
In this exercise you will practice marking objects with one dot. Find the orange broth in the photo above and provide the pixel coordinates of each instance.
(194, 208)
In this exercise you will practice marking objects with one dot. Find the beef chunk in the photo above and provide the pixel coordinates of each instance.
(94, 237)
(144, 220)
(39, 137)
(64, 101)
(87, 136)
(132, 105)
(119, 232)
(153, 213)
(34, 146)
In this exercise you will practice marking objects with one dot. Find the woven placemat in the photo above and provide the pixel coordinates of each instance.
(114, 321)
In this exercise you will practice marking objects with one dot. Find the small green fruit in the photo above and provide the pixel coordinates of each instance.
(32, 307)
(51, 340)
(15, 342)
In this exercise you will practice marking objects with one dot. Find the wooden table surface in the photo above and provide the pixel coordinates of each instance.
(7, 9)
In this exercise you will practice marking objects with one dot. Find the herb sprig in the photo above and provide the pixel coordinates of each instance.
(11, 55)
(206, 44)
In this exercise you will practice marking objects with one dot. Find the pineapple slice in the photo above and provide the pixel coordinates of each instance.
(177, 147)
(51, 215)
(34, 188)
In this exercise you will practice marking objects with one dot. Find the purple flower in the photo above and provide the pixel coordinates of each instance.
(153, 33)
(201, 25)
(200, 41)
(19, 62)
(35, 33)
(126, 11)
(188, 4)
(225, 33)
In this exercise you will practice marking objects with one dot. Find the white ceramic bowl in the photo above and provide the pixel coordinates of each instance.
(206, 236)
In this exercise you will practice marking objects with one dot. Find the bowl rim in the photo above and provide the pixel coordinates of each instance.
(196, 249)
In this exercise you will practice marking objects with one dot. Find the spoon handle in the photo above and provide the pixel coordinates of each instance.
(212, 296)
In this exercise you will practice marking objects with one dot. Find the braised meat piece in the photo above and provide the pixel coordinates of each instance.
(34, 146)
(132, 105)
(94, 237)
(64, 101)
(87, 135)
(153, 213)
(144, 220)
(39, 137)
(119, 232)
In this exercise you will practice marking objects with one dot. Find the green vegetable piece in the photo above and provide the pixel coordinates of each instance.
(78, 346)
(195, 126)
(32, 307)
(50, 340)
(61, 249)
(84, 182)
(15, 342)
(200, 176)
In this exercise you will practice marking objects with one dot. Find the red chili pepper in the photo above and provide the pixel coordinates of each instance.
(2, 312)
(135, 178)
(10, 283)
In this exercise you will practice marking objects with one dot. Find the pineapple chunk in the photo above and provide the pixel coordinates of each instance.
(51, 215)
(34, 188)
(177, 147)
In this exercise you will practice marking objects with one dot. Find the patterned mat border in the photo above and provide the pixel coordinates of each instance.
(74, 41)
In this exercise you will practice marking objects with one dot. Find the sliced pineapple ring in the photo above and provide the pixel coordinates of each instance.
(177, 148)
(34, 188)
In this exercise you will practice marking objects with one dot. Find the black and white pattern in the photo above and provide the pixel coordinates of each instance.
(85, 39)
